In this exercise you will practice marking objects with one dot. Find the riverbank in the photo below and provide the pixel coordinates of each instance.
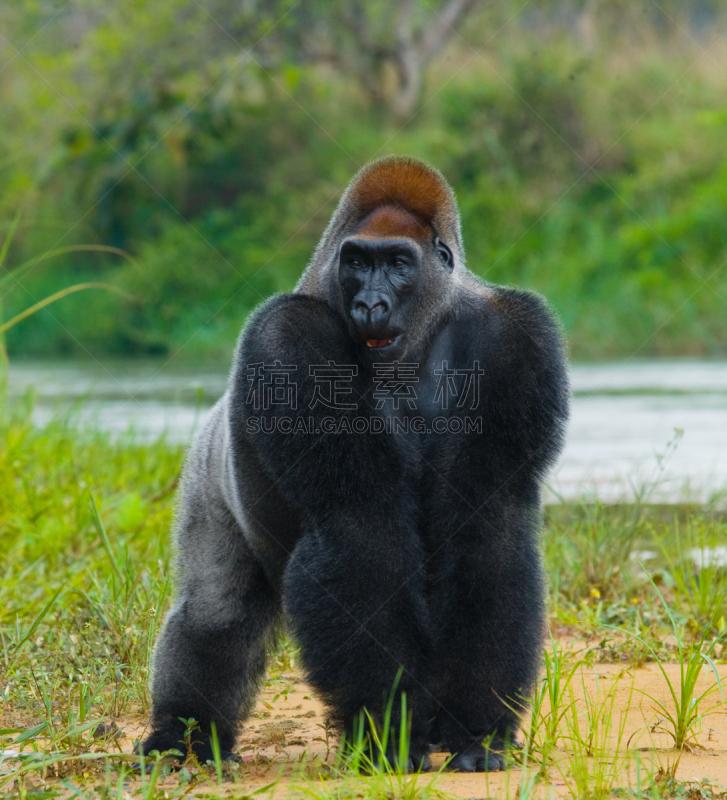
(83, 594)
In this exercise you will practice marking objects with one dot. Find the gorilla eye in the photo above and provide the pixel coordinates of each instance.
(355, 262)
(399, 262)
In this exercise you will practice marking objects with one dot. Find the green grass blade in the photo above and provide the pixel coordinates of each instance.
(39, 618)
(716, 675)
(29, 734)
(19, 271)
(101, 530)
(668, 611)
(266, 788)
(403, 759)
(8, 240)
(216, 754)
(76, 792)
(78, 287)
(81, 729)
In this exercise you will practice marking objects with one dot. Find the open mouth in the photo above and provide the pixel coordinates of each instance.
(378, 343)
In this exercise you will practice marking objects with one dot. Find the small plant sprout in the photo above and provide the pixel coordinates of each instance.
(593, 738)
(681, 719)
(548, 707)
(216, 753)
(191, 727)
(374, 745)
(365, 768)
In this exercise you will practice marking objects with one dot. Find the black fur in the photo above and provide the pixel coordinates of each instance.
(382, 550)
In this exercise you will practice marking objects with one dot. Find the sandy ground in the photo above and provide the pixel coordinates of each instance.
(287, 734)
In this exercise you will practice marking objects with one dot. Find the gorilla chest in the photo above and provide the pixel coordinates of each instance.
(434, 396)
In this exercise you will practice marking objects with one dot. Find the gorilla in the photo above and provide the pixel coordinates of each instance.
(372, 477)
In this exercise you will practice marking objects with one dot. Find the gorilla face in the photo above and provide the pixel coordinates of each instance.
(378, 280)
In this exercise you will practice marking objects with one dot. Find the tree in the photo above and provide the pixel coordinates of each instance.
(386, 46)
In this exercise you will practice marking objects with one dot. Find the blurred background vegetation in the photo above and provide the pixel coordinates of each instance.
(210, 140)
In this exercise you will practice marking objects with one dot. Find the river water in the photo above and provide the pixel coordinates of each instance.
(659, 426)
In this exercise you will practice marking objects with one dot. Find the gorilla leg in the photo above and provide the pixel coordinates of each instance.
(353, 592)
(490, 620)
(212, 651)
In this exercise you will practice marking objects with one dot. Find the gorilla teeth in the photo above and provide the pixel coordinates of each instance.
(378, 342)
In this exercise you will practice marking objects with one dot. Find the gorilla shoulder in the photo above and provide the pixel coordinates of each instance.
(515, 325)
(293, 326)
(517, 339)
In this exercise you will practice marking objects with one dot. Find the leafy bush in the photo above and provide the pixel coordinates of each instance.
(592, 172)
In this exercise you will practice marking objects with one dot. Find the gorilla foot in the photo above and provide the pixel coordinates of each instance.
(477, 758)
(418, 763)
(418, 760)
(169, 734)
(176, 761)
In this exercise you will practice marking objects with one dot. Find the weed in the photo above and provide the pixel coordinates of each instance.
(588, 548)
(681, 722)
(12, 277)
(548, 707)
(594, 737)
(698, 572)
(375, 763)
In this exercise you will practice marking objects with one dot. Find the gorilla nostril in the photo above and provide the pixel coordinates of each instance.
(361, 306)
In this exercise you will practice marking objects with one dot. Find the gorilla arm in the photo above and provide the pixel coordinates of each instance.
(211, 654)
(488, 603)
(353, 586)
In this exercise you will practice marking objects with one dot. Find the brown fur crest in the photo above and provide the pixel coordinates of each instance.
(405, 183)
(390, 221)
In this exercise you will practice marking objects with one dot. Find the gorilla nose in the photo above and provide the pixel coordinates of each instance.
(370, 310)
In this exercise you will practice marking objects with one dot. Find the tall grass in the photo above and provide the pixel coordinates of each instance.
(93, 580)
(594, 733)
(85, 581)
(695, 558)
(11, 279)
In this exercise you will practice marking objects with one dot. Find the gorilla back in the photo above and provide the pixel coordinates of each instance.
(372, 476)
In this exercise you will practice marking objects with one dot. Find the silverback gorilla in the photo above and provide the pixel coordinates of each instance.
(372, 475)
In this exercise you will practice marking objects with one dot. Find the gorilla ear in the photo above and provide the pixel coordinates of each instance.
(444, 253)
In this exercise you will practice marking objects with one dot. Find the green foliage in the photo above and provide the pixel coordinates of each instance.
(696, 572)
(211, 142)
(592, 554)
(549, 708)
(92, 580)
(682, 717)
(365, 766)
(595, 734)
(592, 560)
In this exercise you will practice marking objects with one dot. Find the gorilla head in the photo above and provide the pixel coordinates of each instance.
(381, 273)
(391, 257)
